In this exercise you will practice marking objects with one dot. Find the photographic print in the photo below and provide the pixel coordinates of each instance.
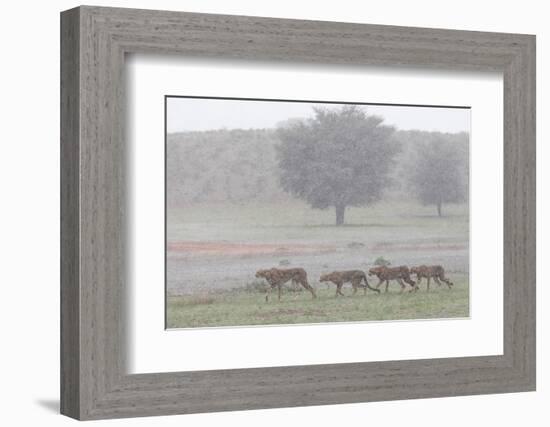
(298, 212)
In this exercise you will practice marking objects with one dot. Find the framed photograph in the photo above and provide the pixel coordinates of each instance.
(263, 193)
(275, 213)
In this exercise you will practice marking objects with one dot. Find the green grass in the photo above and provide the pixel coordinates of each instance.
(263, 222)
(247, 306)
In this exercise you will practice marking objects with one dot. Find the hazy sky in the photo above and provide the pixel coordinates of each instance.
(189, 114)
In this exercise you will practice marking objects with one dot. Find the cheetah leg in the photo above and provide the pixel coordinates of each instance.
(371, 288)
(339, 289)
(294, 289)
(306, 285)
(411, 282)
(447, 281)
(428, 279)
(354, 284)
(402, 285)
(279, 286)
(387, 284)
(268, 292)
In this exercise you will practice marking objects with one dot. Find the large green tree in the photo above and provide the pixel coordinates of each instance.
(339, 158)
(439, 175)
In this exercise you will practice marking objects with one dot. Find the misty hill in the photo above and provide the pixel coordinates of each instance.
(240, 165)
(222, 165)
(411, 140)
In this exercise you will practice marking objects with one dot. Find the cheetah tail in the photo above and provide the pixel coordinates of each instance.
(367, 284)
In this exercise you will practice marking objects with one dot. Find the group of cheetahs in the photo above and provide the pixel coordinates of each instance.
(277, 277)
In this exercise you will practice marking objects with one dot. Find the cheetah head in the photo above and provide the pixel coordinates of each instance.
(262, 273)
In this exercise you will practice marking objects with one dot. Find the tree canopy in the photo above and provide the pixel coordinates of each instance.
(338, 158)
(440, 173)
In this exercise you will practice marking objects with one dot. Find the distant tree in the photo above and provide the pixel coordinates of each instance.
(381, 261)
(439, 175)
(337, 159)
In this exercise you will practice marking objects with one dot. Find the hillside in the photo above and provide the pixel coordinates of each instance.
(222, 165)
(240, 165)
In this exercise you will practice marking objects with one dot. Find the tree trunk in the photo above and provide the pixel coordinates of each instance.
(340, 209)
(439, 209)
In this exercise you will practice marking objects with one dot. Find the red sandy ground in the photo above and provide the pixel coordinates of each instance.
(184, 248)
(236, 249)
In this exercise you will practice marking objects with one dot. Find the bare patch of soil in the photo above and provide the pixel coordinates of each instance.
(183, 248)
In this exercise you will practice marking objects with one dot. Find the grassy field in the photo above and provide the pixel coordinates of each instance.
(295, 220)
(215, 251)
(247, 306)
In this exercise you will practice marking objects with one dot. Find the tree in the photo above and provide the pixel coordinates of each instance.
(440, 173)
(339, 158)
(381, 261)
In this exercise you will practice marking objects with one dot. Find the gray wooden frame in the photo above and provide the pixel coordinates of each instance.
(94, 41)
